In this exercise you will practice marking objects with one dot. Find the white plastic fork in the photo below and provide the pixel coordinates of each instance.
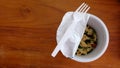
(82, 8)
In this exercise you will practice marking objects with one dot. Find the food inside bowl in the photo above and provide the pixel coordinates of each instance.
(88, 42)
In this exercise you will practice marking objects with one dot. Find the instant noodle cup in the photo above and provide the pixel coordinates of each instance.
(102, 40)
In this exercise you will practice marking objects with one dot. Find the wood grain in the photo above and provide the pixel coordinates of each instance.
(28, 33)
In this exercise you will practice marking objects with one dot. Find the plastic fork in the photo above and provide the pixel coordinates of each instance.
(82, 8)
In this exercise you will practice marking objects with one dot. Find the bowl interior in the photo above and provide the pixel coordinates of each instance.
(102, 40)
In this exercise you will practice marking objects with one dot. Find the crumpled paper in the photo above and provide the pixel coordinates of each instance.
(70, 32)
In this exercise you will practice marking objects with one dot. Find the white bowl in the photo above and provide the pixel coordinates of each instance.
(102, 42)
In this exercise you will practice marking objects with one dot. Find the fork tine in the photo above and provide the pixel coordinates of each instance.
(79, 7)
(84, 8)
(87, 9)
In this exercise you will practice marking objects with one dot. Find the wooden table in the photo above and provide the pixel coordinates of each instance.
(28, 33)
